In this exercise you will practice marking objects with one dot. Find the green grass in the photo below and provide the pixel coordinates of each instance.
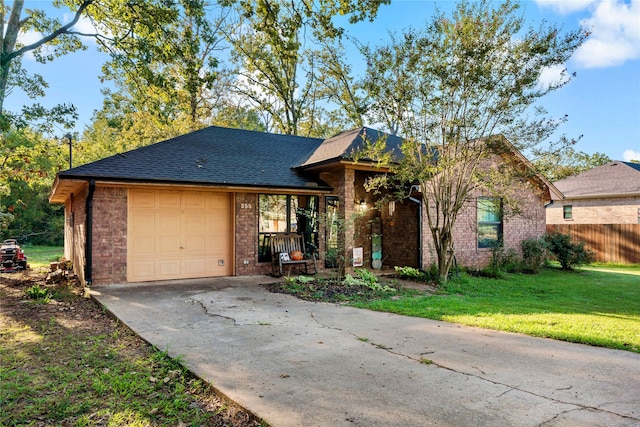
(41, 256)
(597, 305)
(57, 370)
(98, 384)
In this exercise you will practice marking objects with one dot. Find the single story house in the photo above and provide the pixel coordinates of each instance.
(607, 194)
(204, 204)
(601, 208)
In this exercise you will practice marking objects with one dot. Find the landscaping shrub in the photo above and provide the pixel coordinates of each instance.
(502, 260)
(367, 279)
(534, 253)
(410, 273)
(566, 252)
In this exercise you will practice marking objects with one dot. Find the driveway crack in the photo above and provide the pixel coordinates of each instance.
(206, 311)
(424, 361)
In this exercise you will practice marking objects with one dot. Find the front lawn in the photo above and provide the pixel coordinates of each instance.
(596, 305)
(41, 256)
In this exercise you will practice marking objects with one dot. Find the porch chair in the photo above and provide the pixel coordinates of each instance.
(285, 244)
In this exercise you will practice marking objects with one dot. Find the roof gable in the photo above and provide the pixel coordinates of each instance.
(210, 156)
(345, 144)
(615, 178)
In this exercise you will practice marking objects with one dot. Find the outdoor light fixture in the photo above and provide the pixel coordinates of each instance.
(392, 207)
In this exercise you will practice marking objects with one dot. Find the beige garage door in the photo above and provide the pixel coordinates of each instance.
(178, 235)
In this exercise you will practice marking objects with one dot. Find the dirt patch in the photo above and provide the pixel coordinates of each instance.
(330, 291)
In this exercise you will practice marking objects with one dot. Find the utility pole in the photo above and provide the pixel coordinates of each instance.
(68, 136)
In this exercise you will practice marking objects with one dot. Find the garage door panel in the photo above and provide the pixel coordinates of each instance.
(169, 222)
(195, 245)
(142, 199)
(143, 246)
(168, 199)
(142, 223)
(168, 268)
(143, 270)
(179, 234)
(195, 200)
(168, 246)
(194, 267)
(194, 222)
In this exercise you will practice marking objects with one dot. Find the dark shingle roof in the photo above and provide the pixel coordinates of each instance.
(614, 178)
(346, 143)
(210, 156)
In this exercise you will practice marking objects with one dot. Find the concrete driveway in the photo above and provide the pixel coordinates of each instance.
(297, 363)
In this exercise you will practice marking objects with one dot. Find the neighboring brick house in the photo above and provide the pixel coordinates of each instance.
(607, 194)
(204, 204)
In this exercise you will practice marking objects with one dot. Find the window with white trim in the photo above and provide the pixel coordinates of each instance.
(489, 222)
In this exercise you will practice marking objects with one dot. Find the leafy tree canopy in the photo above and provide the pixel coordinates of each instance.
(561, 164)
(461, 91)
(290, 62)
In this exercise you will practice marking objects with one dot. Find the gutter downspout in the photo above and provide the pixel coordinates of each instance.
(88, 247)
(419, 203)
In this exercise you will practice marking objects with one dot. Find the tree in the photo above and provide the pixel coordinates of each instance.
(282, 48)
(561, 164)
(457, 91)
(57, 38)
(28, 164)
(236, 116)
(163, 54)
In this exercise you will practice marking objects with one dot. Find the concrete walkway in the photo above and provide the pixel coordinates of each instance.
(296, 363)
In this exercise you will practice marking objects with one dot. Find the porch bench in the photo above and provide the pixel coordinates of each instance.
(287, 243)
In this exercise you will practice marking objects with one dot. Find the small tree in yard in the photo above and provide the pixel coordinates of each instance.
(568, 253)
(457, 91)
(534, 253)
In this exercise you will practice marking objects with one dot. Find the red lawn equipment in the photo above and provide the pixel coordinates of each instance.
(13, 257)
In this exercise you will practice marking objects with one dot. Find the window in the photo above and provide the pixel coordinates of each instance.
(489, 222)
(566, 212)
(284, 213)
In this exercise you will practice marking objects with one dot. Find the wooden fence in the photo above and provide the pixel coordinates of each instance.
(618, 243)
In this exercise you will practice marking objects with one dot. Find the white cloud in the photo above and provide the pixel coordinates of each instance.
(565, 7)
(614, 27)
(629, 155)
(615, 35)
(552, 75)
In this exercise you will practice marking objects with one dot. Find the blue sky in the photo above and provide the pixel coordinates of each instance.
(602, 102)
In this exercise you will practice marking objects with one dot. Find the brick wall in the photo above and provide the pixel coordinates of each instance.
(344, 186)
(612, 210)
(246, 238)
(400, 235)
(399, 231)
(74, 231)
(109, 235)
(527, 222)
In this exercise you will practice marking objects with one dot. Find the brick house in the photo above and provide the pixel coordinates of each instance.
(607, 194)
(204, 204)
(601, 208)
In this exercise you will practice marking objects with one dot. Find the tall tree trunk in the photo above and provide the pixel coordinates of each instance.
(8, 39)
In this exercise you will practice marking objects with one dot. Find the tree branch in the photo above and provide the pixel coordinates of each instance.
(62, 30)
